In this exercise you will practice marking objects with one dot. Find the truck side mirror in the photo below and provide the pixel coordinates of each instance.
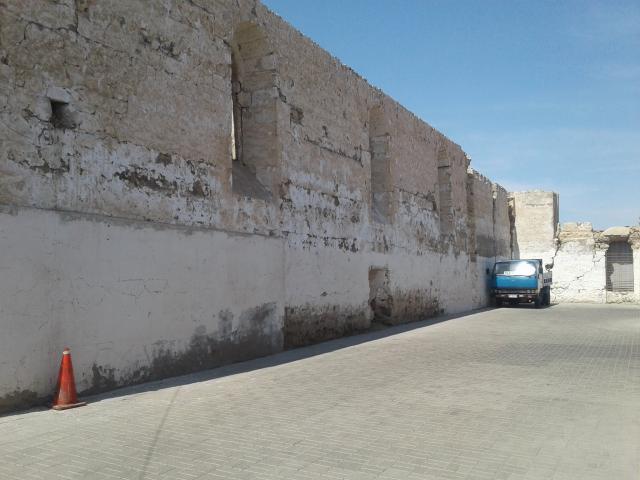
(488, 271)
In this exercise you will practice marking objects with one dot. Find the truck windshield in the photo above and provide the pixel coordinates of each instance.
(520, 268)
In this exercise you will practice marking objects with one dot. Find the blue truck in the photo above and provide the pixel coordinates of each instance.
(521, 281)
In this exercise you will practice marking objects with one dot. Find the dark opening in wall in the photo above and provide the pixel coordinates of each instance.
(254, 152)
(445, 193)
(380, 298)
(619, 267)
(379, 146)
(62, 116)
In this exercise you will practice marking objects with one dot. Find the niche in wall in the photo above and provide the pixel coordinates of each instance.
(379, 145)
(254, 146)
(445, 204)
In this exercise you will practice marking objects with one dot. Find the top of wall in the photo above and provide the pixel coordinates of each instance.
(533, 193)
(340, 64)
(149, 87)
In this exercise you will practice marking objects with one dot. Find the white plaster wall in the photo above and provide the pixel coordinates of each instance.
(150, 87)
(326, 276)
(579, 272)
(579, 275)
(327, 291)
(123, 295)
(636, 271)
(482, 283)
(441, 279)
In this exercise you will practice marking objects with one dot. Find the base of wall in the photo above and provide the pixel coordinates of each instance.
(308, 324)
(135, 301)
(622, 297)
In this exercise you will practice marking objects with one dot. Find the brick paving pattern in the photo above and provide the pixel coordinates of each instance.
(506, 394)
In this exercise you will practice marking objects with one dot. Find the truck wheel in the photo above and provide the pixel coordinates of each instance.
(538, 301)
(547, 296)
(498, 302)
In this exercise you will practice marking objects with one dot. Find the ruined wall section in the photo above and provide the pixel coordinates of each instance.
(145, 92)
(126, 239)
(226, 182)
(481, 218)
(488, 219)
(536, 216)
(501, 222)
(634, 240)
(579, 265)
(577, 252)
(580, 273)
(489, 235)
(135, 302)
(325, 182)
(361, 192)
(423, 203)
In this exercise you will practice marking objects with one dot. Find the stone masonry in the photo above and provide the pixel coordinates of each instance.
(577, 252)
(186, 184)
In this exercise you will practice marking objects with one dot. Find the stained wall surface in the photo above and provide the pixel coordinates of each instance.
(577, 252)
(184, 185)
(579, 265)
(535, 224)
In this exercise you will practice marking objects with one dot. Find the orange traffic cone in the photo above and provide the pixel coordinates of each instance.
(66, 395)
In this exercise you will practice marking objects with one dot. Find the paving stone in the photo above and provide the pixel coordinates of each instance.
(515, 393)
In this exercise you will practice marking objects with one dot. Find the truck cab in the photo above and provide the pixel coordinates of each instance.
(521, 281)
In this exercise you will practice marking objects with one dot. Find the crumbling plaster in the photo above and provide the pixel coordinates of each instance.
(576, 251)
(125, 237)
(579, 265)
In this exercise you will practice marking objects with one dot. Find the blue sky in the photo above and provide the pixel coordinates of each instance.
(540, 94)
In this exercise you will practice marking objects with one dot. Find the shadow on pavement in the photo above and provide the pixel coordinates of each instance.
(287, 356)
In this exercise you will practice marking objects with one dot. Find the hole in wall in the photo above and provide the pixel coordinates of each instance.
(254, 145)
(62, 116)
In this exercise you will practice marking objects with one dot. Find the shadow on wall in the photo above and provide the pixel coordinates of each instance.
(270, 361)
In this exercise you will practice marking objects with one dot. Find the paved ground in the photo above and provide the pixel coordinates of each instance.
(502, 394)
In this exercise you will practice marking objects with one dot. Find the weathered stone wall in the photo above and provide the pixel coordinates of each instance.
(576, 251)
(579, 265)
(580, 273)
(134, 301)
(488, 228)
(535, 224)
(636, 262)
(184, 185)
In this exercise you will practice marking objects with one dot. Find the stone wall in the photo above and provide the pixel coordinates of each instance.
(576, 251)
(535, 224)
(580, 272)
(579, 265)
(184, 185)
(489, 228)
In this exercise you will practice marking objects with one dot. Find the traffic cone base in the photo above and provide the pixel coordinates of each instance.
(67, 407)
(66, 396)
